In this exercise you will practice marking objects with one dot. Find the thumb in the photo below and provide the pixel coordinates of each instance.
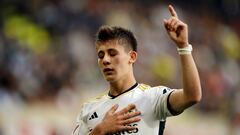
(173, 35)
(165, 23)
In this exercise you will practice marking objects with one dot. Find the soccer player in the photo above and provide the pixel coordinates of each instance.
(129, 107)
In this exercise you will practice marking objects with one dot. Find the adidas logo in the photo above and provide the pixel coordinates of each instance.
(93, 116)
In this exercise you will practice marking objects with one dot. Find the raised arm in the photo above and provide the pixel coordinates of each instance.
(191, 92)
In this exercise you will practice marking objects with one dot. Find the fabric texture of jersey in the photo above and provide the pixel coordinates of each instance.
(150, 101)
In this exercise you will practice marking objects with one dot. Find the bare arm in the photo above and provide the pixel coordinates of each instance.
(191, 92)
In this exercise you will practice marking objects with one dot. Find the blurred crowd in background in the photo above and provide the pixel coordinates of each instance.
(48, 64)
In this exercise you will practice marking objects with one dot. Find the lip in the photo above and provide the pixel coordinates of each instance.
(106, 70)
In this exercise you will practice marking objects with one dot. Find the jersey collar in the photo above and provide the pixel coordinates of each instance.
(112, 96)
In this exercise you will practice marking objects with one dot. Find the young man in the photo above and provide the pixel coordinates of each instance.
(129, 107)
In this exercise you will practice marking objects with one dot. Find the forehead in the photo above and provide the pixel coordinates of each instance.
(112, 44)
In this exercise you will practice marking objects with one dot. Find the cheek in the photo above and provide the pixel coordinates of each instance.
(121, 61)
(99, 62)
(117, 61)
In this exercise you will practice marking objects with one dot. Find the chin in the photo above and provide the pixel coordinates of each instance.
(110, 78)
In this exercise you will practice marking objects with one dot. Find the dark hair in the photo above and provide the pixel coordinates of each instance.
(107, 33)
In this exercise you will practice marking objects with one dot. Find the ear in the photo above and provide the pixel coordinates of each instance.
(133, 57)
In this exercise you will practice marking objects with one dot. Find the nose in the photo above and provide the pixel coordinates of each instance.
(106, 60)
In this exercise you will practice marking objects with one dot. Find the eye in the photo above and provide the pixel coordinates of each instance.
(100, 55)
(112, 52)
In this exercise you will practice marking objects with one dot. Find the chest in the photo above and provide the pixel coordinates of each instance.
(98, 110)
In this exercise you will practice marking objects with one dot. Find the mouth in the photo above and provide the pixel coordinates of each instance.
(107, 70)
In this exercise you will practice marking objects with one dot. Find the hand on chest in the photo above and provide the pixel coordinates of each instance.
(98, 111)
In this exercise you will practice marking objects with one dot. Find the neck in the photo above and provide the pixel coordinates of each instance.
(122, 85)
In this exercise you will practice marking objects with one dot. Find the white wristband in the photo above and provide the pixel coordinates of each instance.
(185, 50)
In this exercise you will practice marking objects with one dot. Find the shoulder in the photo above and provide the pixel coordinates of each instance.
(101, 96)
(94, 101)
(148, 88)
(144, 87)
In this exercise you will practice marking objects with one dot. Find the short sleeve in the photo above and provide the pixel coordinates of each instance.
(80, 128)
(159, 99)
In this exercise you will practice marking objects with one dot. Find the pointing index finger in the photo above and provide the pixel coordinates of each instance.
(172, 11)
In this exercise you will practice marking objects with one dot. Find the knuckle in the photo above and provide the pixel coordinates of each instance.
(119, 123)
(109, 114)
(119, 127)
(129, 127)
(184, 24)
(129, 121)
(175, 18)
(126, 122)
(118, 118)
(126, 109)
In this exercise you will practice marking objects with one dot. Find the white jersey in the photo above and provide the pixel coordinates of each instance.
(152, 102)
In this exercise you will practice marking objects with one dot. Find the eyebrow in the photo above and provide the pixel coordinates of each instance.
(110, 49)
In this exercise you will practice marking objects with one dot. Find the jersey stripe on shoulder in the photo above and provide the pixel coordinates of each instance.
(143, 87)
(98, 97)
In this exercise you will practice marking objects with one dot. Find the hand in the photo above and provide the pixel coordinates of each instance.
(176, 29)
(118, 121)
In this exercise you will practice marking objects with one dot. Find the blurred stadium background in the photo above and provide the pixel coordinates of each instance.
(48, 65)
